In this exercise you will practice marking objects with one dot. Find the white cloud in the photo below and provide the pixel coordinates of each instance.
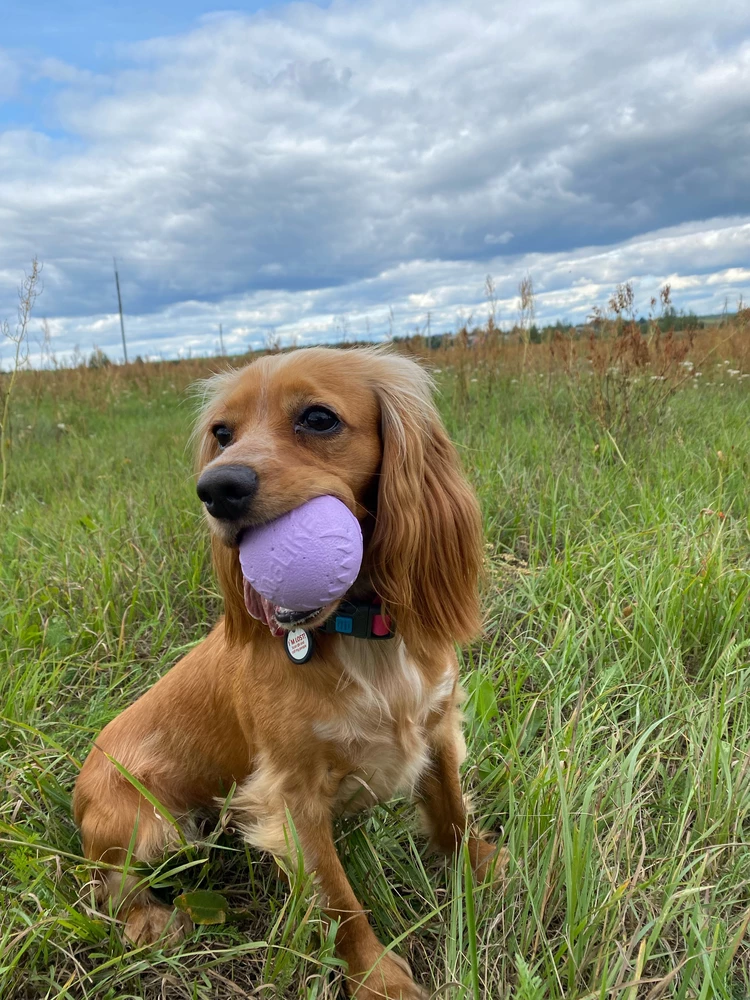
(10, 75)
(500, 238)
(311, 164)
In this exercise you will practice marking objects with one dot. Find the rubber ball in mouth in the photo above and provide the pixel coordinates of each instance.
(306, 558)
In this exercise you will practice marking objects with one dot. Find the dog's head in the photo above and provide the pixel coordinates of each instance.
(359, 425)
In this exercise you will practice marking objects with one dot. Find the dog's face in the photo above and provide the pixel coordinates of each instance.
(285, 430)
(358, 425)
(288, 428)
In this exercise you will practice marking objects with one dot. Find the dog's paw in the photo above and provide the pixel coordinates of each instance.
(390, 979)
(154, 922)
(488, 860)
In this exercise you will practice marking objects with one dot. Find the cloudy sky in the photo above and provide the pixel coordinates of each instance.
(314, 171)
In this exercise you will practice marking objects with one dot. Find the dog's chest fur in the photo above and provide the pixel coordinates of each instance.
(376, 725)
(372, 732)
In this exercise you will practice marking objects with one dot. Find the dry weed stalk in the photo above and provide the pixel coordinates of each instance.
(629, 371)
(272, 342)
(526, 312)
(490, 293)
(18, 337)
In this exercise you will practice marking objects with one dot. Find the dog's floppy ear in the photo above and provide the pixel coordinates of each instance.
(425, 555)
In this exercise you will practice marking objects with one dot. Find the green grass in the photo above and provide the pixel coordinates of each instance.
(608, 722)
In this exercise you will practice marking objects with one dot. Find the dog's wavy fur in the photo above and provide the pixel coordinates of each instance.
(362, 720)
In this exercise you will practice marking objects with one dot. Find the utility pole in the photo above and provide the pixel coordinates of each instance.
(221, 339)
(119, 305)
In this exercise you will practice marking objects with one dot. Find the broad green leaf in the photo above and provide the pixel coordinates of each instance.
(203, 906)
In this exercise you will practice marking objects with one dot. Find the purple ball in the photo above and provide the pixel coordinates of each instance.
(304, 559)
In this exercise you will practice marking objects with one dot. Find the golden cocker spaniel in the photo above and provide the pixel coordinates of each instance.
(361, 721)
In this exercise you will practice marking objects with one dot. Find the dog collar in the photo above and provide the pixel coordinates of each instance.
(361, 620)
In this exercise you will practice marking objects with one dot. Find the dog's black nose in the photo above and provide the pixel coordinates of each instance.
(228, 491)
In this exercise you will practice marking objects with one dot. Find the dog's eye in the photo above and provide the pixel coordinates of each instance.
(319, 420)
(222, 434)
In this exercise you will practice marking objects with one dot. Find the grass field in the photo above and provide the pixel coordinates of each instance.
(608, 721)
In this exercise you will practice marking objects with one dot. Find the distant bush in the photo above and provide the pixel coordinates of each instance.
(672, 320)
(98, 359)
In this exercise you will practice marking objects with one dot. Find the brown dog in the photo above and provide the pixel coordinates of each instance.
(362, 720)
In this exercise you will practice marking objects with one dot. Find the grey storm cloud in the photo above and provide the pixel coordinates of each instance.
(295, 166)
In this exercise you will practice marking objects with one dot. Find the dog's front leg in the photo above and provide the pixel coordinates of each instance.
(373, 973)
(442, 804)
